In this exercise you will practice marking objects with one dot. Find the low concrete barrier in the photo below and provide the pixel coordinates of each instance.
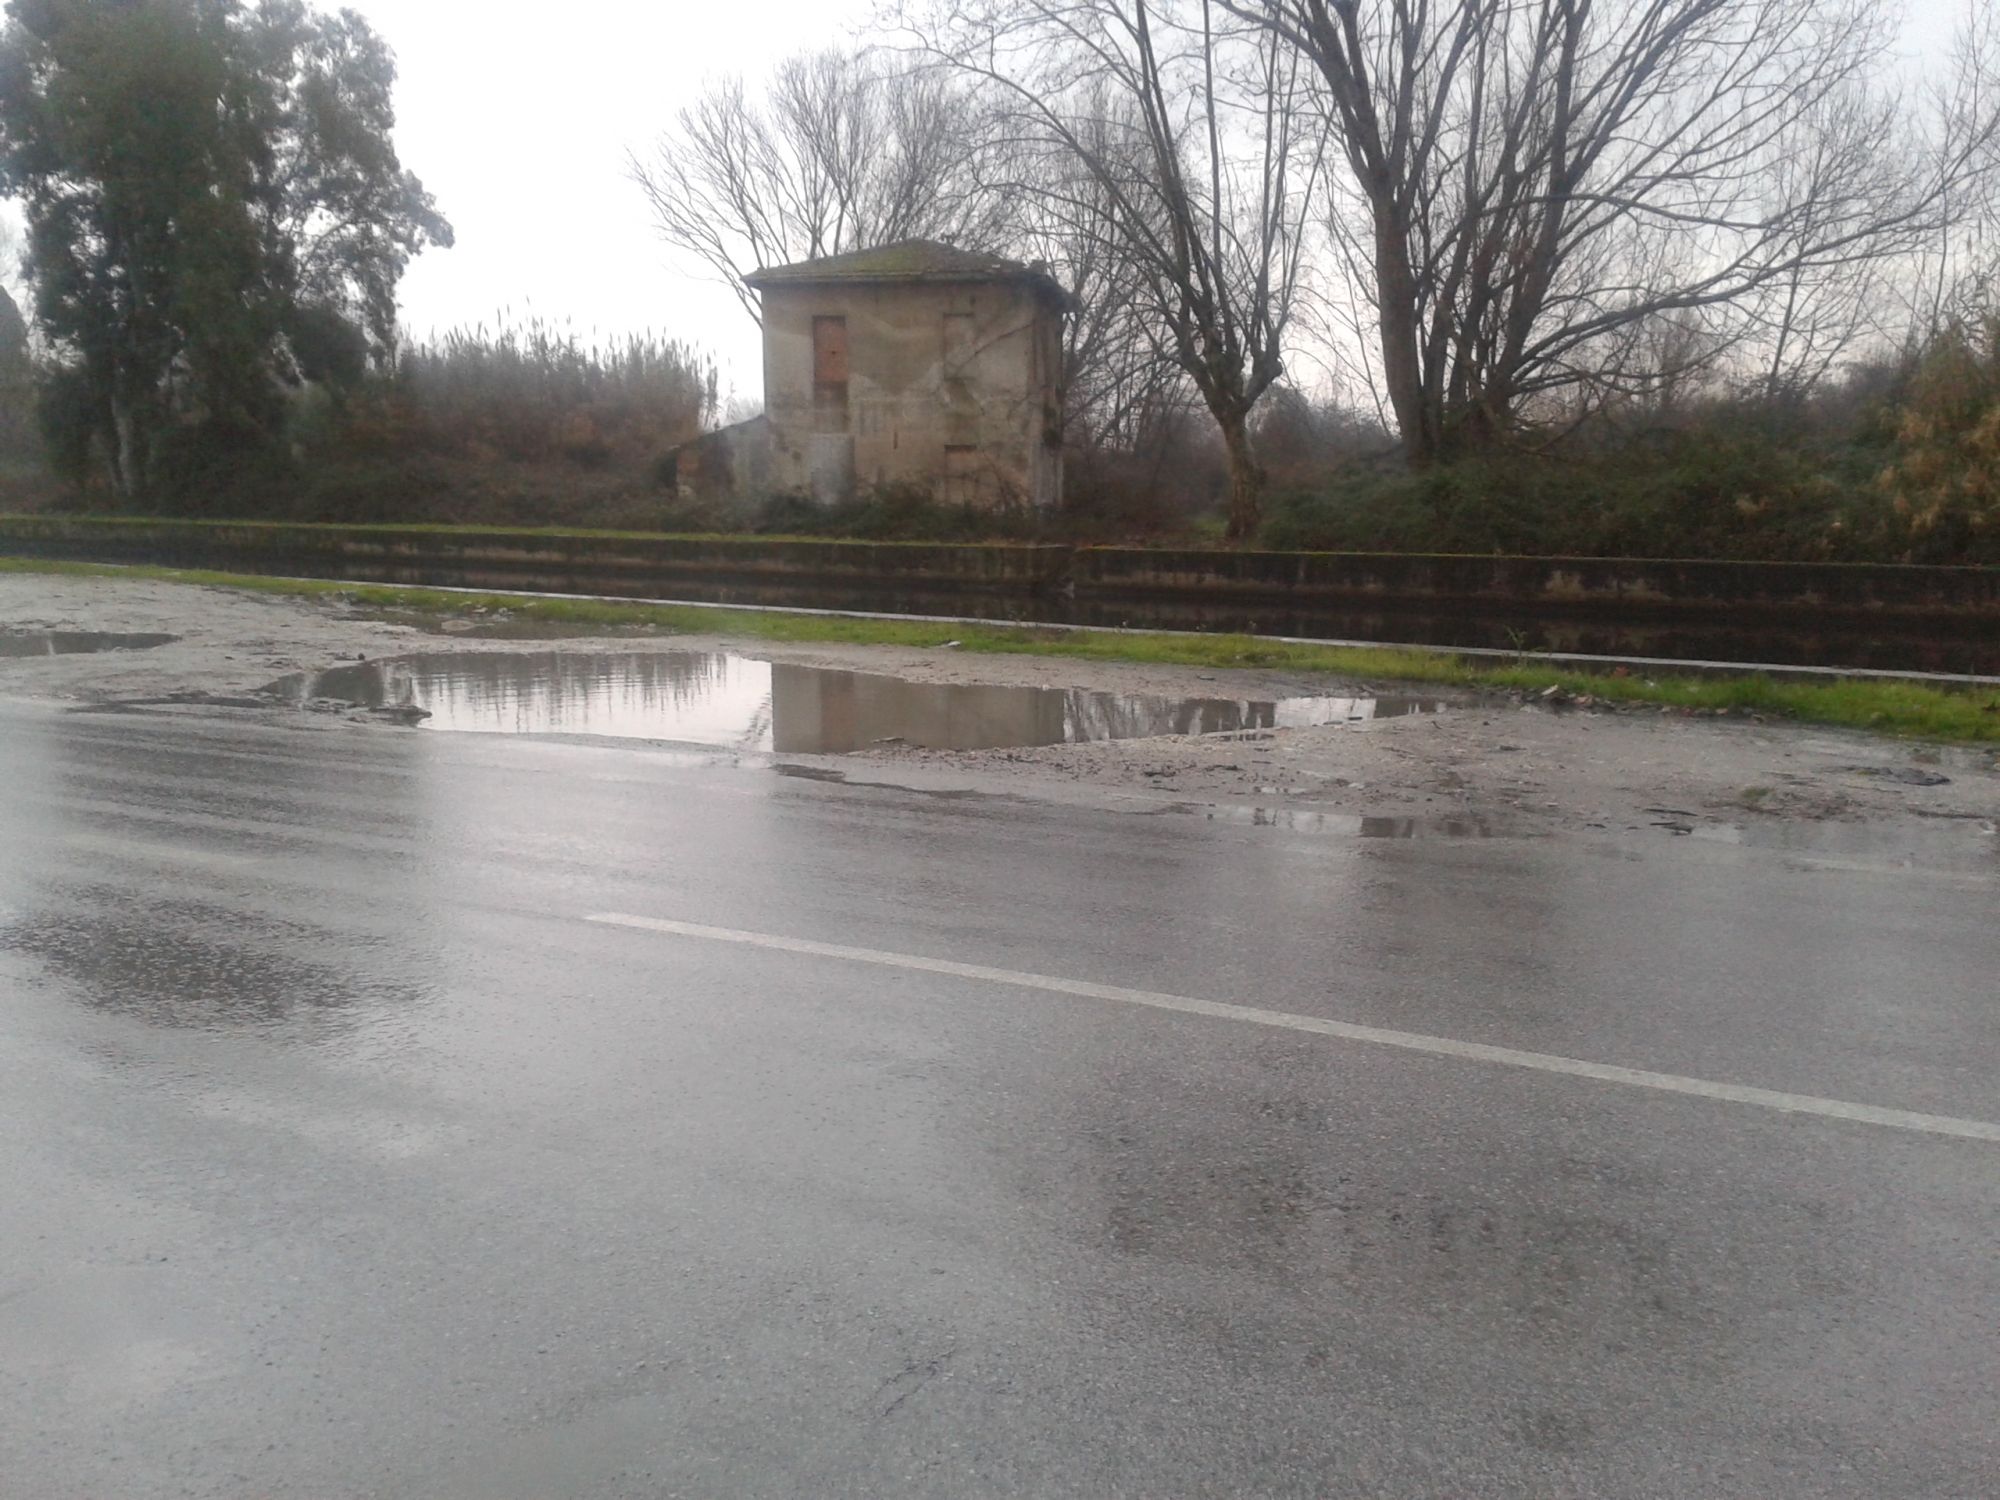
(1546, 585)
(1959, 601)
(579, 562)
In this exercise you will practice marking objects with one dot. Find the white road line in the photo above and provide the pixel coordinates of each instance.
(1408, 1041)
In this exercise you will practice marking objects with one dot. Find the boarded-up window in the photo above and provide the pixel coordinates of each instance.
(830, 413)
(958, 346)
(829, 351)
(961, 399)
(961, 474)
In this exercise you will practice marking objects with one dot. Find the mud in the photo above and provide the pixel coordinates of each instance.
(74, 642)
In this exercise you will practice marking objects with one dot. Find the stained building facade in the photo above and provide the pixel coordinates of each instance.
(916, 364)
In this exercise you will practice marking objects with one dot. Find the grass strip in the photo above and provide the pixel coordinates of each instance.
(1911, 709)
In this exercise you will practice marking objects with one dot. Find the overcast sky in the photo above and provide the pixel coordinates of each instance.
(518, 117)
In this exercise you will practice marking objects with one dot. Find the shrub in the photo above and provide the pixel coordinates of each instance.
(1726, 484)
(534, 393)
(1945, 481)
(68, 422)
(895, 512)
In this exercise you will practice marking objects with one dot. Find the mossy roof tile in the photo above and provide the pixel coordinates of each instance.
(906, 260)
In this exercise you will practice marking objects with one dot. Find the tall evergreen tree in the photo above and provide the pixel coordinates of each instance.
(214, 207)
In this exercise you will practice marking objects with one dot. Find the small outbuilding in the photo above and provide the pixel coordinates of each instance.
(916, 364)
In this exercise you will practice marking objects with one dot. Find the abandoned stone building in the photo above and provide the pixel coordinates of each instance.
(915, 364)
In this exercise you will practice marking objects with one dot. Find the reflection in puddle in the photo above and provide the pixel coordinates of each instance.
(75, 642)
(711, 698)
(1351, 825)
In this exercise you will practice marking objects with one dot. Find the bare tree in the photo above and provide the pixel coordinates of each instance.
(842, 151)
(1956, 279)
(1530, 180)
(1115, 376)
(1816, 309)
(1178, 148)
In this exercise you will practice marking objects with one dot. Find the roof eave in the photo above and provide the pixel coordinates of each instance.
(783, 277)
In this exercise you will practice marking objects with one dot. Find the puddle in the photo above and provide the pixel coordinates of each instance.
(736, 702)
(1350, 825)
(75, 642)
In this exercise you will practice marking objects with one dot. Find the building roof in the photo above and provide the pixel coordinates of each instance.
(906, 260)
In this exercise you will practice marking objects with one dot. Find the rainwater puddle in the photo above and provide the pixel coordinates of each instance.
(711, 698)
(1350, 825)
(75, 642)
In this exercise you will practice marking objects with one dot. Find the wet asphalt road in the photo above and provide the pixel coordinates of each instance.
(340, 1155)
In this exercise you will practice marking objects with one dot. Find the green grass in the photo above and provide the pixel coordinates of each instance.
(1910, 709)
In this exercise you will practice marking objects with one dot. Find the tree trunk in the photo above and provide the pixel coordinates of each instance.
(1246, 477)
(125, 459)
(1396, 318)
(1480, 428)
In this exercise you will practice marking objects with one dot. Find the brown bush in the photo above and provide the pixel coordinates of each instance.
(534, 393)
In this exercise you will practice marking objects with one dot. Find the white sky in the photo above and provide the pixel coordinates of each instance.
(517, 116)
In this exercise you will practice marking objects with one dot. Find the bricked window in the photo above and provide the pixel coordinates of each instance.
(958, 346)
(830, 351)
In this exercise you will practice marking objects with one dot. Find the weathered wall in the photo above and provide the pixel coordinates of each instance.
(917, 386)
(572, 562)
(1626, 586)
(1087, 583)
(731, 461)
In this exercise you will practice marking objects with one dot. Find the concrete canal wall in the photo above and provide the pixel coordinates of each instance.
(580, 562)
(1550, 585)
(1959, 601)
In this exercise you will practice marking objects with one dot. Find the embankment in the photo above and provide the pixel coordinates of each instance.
(1927, 618)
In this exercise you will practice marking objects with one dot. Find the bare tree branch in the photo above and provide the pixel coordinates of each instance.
(1531, 182)
(1119, 100)
(843, 151)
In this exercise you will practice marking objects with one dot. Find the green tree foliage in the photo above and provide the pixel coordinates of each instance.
(16, 382)
(13, 336)
(214, 209)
